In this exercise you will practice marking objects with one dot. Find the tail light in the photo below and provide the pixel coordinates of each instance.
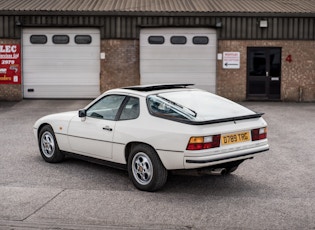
(208, 142)
(259, 134)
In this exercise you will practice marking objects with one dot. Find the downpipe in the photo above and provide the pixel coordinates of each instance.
(300, 94)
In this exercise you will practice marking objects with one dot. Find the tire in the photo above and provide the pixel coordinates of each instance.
(145, 168)
(48, 145)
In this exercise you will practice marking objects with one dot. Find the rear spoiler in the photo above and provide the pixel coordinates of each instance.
(215, 121)
(256, 115)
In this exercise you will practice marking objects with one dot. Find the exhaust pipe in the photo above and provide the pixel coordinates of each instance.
(218, 171)
(213, 171)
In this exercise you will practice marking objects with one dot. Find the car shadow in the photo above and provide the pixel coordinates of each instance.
(215, 185)
(83, 174)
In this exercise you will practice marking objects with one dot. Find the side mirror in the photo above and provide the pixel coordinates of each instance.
(82, 113)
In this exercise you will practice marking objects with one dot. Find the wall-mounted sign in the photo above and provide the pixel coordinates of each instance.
(10, 64)
(231, 60)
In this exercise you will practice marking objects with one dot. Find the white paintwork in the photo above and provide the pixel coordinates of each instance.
(61, 70)
(169, 63)
(168, 138)
(89, 138)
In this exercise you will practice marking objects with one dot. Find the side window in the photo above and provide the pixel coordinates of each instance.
(156, 40)
(200, 40)
(106, 108)
(38, 39)
(131, 110)
(164, 108)
(178, 40)
(60, 39)
(83, 39)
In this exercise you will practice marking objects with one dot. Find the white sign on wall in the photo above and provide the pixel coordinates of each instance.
(231, 60)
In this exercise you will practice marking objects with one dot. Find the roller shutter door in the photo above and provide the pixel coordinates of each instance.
(179, 55)
(61, 63)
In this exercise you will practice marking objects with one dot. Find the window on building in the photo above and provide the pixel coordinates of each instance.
(60, 39)
(200, 40)
(38, 39)
(156, 40)
(83, 39)
(178, 40)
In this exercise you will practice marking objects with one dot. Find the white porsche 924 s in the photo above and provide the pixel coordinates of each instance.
(150, 130)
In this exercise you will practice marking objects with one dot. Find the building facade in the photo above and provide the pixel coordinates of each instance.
(253, 50)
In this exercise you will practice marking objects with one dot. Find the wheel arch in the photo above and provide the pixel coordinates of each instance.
(145, 168)
(130, 145)
(42, 126)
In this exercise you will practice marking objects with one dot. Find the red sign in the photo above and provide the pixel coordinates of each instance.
(10, 64)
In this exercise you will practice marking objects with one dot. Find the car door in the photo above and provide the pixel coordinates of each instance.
(93, 135)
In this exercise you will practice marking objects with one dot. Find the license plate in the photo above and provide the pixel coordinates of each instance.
(233, 138)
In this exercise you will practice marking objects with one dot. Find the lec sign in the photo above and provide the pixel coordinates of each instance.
(10, 64)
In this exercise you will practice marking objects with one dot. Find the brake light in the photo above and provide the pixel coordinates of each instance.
(208, 142)
(259, 134)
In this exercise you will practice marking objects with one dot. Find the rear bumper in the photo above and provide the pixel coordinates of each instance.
(204, 161)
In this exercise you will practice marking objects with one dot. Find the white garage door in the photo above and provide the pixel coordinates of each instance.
(61, 63)
(178, 55)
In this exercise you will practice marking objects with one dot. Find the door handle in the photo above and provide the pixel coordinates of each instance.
(107, 128)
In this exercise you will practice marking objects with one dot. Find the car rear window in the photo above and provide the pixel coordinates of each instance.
(194, 106)
(166, 108)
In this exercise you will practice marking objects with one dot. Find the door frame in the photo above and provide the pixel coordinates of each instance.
(269, 80)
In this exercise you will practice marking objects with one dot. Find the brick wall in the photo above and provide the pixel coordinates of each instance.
(121, 68)
(121, 65)
(10, 92)
(298, 76)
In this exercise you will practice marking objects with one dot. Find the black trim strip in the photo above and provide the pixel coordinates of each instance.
(173, 151)
(223, 158)
(97, 161)
(90, 139)
(157, 87)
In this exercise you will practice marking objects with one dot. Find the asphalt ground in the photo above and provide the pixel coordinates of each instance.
(275, 190)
